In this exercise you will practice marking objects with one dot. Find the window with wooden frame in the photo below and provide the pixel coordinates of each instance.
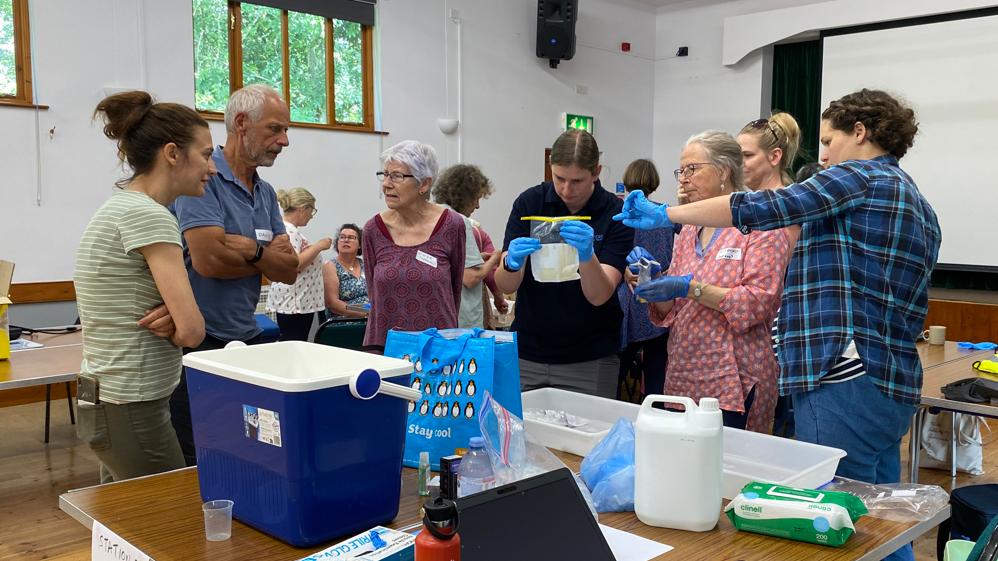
(323, 66)
(15, 53)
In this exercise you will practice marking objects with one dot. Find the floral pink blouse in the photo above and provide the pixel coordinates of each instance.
(724, 354)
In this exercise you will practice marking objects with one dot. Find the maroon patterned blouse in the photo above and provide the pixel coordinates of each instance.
(413, 288)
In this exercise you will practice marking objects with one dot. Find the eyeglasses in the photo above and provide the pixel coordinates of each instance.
(314, 210)
(688, 170)
(343, 238)
(761, 124)
(397, 177)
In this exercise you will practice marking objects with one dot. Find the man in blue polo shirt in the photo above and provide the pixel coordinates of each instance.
(235, 233)
(569, 332)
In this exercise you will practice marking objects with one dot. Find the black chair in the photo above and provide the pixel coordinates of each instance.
(346, 333)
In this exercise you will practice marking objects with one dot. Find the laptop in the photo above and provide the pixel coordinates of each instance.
(542, 517)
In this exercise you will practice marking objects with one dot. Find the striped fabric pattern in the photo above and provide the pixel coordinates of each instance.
(860, 272)
(114, 288)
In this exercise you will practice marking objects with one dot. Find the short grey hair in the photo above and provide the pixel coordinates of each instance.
(420, 158)
(248, 99)
(723, 152)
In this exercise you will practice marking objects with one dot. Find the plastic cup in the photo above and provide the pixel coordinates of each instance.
(217, 520)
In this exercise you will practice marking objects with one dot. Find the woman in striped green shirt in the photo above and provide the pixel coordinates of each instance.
(135, 301)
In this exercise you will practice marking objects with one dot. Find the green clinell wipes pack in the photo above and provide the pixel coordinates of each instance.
(821, 517)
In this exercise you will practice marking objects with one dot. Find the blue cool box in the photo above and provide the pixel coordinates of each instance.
(279, 433)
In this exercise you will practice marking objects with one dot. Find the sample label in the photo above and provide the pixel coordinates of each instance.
(262, 425)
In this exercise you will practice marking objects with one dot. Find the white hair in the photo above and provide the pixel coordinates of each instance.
(249, 100)
(420, 158)
(723, 152)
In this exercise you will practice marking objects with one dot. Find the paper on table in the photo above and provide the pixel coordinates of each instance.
(21, 344)
(108, 546)
(629, 547)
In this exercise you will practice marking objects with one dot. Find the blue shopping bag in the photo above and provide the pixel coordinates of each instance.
(453, 368)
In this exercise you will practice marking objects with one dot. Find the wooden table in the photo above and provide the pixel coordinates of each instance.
(934, 378)
(58, 361)
(934, 356)
(161, 515)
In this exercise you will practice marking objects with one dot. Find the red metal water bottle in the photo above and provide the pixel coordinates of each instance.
(439, 540)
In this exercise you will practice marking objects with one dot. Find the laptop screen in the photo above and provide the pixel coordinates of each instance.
(543, 517)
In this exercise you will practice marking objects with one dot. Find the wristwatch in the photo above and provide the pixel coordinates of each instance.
(697, 292)
(259, 254)
(505, 266)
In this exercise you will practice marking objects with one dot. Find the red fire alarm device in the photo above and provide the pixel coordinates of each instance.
(626, 47)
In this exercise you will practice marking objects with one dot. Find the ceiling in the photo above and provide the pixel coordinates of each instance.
(660, 3)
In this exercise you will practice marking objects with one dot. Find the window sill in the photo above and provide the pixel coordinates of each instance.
(7, 102)
(213, 116)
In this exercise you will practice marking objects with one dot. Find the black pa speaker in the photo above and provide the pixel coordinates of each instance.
(556, 30)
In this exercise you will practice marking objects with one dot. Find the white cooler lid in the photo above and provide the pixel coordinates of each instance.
(293, 366)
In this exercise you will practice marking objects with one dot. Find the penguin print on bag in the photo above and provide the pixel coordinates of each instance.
(457, 388)
(442, 389)
(405, 357)
(446, 370)
(419, 365)
(424, 408)
(460, 369)
(416, 383)
(472, 367)
(470, 389)
(412, 406)
(456, 410)
(436, 409)
(469, 411)
(427, 389)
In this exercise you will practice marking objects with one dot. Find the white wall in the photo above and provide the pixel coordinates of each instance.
(511, 105)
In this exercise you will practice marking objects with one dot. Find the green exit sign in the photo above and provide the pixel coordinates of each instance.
(569, 121)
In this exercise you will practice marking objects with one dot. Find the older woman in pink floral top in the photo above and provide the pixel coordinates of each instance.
(720, 296)
(414, 251)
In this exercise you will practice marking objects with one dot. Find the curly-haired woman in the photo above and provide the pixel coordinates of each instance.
(460, 188)
(857, 289)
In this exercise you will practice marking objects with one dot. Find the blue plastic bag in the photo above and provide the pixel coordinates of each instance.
(608, 469)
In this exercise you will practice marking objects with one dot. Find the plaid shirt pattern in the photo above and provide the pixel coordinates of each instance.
(860, 272)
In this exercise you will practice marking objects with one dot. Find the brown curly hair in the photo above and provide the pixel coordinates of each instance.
(460, 186)
(889, 124)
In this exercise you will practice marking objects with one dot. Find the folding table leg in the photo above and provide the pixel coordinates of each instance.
(952, 445)
(915, 442)
(69, 398)
(48, 406)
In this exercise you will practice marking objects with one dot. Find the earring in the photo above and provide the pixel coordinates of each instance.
(722, 186)
(857, 142)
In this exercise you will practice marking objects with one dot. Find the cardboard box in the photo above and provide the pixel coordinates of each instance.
(377, 544)
(6, 274)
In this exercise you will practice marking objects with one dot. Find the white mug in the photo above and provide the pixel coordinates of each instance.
(936, 334)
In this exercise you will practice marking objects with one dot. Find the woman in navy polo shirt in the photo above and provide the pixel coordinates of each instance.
(569, 332)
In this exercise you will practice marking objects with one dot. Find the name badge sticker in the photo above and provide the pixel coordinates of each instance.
(426, 258)
(264, 235)
(730, 253)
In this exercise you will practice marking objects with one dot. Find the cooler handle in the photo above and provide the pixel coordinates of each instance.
(367, 383)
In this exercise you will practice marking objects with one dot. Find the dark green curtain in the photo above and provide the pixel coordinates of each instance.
(797, 90)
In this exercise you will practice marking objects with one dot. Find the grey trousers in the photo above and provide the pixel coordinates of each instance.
(132, 439)
(595, 377)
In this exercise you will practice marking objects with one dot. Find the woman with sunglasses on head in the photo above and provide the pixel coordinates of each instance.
(858, 287)
(297, 303)
(719, 296)
(343, 276)
(414, 250)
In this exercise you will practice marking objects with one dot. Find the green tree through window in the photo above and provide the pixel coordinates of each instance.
(8, 64)
(326, 79)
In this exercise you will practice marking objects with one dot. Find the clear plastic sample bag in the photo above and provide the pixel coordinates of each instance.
(898, 502)
(555, 261)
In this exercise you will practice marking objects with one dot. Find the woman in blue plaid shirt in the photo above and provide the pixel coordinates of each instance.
(857, 287)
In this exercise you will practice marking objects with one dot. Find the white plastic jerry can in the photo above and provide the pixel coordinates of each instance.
(678, 464)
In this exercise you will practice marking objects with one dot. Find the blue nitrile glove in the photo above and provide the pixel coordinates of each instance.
(518, 251)
(636, 254)
(580, 236)
(977, 346)
(643, 214)
(664, 289)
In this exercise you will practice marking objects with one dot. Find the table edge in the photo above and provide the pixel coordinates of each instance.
(906, 536)
(41, 381)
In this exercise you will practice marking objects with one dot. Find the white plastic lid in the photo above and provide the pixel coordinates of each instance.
(709, 404)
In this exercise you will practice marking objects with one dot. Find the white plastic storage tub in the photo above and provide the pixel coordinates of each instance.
(600, 412)
(751, 456)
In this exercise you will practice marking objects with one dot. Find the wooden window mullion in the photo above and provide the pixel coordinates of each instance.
(330, 75)
(286, 57)
(22, 52)
(235, 47)
(367, 77)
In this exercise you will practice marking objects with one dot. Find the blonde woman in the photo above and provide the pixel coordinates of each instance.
(296, 304)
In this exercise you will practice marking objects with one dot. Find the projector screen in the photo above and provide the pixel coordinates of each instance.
(948, 72)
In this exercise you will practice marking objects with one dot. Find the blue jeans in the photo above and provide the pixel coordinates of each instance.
(857, 417)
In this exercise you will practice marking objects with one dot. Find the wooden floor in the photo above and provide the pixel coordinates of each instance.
(34, 474)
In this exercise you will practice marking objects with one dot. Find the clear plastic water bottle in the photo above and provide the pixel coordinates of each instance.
(475, 473)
